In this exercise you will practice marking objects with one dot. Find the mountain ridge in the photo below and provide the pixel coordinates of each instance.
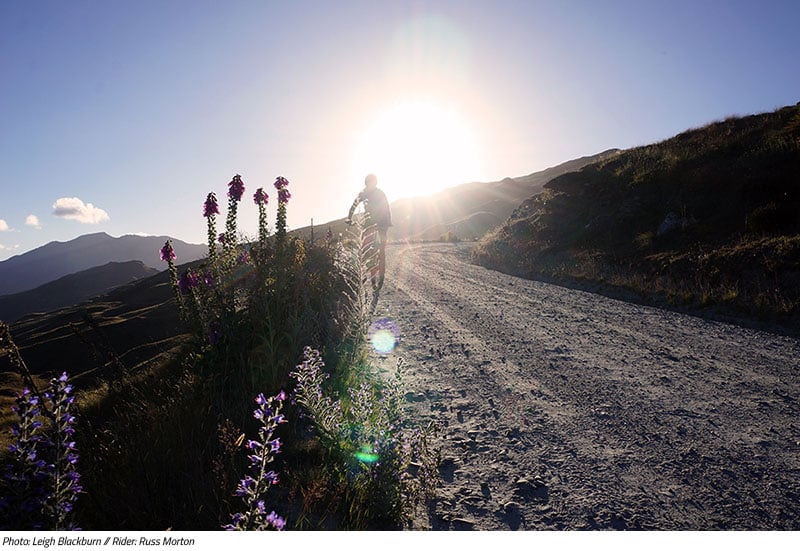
(56, 259)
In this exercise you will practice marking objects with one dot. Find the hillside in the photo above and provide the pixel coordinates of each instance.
(137, 322)
(72, 289)
(470, 210)
(56, 259)
(709, 219)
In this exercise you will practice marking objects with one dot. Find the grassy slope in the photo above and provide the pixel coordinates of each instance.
(709, 219)
(137, 321)
(72, 289)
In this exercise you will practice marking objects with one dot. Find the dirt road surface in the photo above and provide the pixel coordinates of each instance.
(566, 410)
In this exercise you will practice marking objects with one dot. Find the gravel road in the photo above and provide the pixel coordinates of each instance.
(567, 410)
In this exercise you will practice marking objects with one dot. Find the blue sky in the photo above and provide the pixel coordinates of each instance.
(121, 116)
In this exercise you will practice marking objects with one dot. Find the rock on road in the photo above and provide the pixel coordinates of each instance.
(562, 409)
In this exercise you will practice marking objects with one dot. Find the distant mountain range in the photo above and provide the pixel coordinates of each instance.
(57, 259)
(72, 289)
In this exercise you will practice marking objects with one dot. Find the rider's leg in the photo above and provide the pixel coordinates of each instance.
(371, 253)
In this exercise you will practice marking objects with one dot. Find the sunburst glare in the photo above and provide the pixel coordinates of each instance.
(418, 148)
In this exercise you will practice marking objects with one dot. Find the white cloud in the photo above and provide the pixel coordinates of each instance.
(8, 247)
(33, 220)
(73, 208)
(3, 225)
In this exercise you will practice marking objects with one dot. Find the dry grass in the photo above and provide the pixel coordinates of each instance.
(709, 219)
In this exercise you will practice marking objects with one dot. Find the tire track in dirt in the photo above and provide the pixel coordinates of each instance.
(562, 409)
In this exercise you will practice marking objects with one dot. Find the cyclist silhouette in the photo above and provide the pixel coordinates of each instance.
(379, 218)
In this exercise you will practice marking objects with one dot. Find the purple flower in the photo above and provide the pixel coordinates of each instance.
(271, 477)
(167, 253)
(237, 519)
(281, 182)
(284, 196)
(210, 208)
(277, 522)
(188, 280)
(259, 197)
(208, 279)
(253, 488)
(245, 485)
(31, 398)
(236, 188)
(221, 238)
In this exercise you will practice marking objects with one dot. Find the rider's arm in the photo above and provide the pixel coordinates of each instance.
(354, 206)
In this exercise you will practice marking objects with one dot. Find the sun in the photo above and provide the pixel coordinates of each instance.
(417, 149)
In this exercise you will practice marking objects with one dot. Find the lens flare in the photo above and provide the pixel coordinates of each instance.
(238, 275)
(366, 455)
(383, 336)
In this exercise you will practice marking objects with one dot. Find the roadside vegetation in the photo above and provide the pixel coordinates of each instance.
(708, 220)
(272, 416)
